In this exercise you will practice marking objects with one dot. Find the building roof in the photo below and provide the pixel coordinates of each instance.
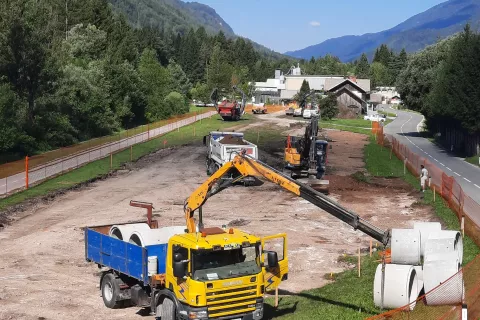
(335, 85)
(350, 93)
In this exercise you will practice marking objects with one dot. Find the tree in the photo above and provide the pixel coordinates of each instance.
(379, 75)
(329, 107)
(363, 67)
(382, 55)
(304, 90)
(219, 71)
(180, 82)
(201, 93)
(157, 83)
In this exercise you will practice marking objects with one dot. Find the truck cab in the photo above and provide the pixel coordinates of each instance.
(219, 273)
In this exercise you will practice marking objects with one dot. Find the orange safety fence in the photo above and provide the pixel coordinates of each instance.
(468, 212)
(15, 167)
(33, 174)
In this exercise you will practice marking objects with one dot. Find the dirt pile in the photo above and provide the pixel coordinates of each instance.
(229, 139)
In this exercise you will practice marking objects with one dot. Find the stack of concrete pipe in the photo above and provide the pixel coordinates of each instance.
(422, 258)
(141, 234)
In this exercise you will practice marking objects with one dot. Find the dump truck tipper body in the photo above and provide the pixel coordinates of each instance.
(213, 274)
(222, 147)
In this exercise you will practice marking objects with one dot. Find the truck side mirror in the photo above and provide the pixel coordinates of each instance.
(272, 259)
(177, 257)
(179, 269)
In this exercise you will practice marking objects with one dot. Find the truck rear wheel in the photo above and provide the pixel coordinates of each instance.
(168, 310)
(110, 291)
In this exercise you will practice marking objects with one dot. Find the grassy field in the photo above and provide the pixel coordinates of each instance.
(350, 297)
(473, 160)
(101, 167)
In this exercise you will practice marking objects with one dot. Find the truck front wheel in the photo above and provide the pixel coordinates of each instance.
(168, 310)
(110, 291)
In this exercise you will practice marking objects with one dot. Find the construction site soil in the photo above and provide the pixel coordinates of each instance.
(43, 270)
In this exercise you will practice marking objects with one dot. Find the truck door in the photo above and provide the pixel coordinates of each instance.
(273, 275)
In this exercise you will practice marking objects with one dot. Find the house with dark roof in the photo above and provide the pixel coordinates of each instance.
(351, 93)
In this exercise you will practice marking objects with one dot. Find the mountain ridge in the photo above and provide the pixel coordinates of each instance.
(179, 16)
(413, 34)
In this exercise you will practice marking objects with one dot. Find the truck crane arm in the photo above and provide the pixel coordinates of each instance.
(248, 166)
(244, 98)
(214, 98)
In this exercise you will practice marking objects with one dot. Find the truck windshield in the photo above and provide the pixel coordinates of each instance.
(224, 264)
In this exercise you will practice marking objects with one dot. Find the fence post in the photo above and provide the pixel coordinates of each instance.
(148, 131)
(111, 161)
(433, 193)
(405, 166)
(131, 153)
(463, 226)
(359, 262)
(26, 172)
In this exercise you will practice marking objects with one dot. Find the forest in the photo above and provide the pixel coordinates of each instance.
(75, 71)
(441, 82)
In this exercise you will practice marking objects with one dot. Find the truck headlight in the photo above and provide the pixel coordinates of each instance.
(198, 315)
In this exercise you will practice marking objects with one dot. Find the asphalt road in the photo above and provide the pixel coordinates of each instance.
(406, 127)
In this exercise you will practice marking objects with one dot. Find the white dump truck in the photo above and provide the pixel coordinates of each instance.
(222, 147)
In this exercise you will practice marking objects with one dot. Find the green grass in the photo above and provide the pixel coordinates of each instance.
(349, 297)
(349, 122)
(473, 160)
(102, 167)
(388, 114)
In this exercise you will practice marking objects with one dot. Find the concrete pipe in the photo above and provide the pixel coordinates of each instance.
(400, 287)
(124, 231)
(425, 229)
(150, 237)
(444, 273)
(419, 271)
(406, 246)
(445, 241)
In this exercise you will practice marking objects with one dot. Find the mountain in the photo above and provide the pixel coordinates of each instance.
(413, 34)
(179, 17)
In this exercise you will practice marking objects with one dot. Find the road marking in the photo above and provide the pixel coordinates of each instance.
(477, 186)
(442, 164)
(426, 153)
(457, 174)
(467, 180)
(430, 156)
(435, 160)
(448, 168)
(420, 149)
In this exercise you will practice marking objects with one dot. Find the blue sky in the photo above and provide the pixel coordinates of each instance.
(285, 25)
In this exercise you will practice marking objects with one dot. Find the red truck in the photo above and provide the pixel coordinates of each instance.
(229, 110)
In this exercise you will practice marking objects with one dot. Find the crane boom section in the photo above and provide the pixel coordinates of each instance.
(248, 166)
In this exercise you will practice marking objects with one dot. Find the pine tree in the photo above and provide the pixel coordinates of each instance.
(180, 82)
(363, 67)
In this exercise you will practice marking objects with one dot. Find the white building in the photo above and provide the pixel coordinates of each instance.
(284, 87)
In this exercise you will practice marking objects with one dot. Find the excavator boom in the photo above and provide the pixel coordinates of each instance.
(248, 166)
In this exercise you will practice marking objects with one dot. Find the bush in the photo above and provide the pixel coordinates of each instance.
(175, 103)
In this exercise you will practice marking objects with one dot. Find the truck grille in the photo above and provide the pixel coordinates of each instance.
(231, 301)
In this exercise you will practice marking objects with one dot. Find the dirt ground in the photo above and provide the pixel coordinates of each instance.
(43, 270)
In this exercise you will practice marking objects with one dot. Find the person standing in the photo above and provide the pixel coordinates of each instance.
(423, 177)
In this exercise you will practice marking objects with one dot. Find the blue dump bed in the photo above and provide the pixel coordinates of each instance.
(122, 256)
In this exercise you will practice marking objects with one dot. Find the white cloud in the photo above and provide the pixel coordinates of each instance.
(314, 23)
